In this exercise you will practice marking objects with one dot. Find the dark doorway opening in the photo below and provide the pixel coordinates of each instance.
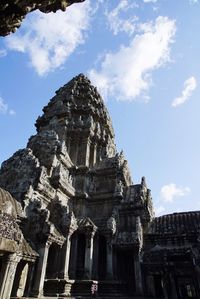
(20, 279)
(80, 261)
(53, 262)
(186, 288)
(125, 271)
(158, 286)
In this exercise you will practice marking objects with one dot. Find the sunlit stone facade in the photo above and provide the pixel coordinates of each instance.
(75, 217)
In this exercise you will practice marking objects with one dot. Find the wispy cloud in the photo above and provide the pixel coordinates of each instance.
(49, 39)
(127, 73)
(193, 1)
(189, 86)
(119, 23)
(4, 109)
(170, 192)
(150, 1)
(159, 210)
(3, 52)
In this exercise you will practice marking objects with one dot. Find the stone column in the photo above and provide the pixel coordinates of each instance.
(138, 275)
(99, 150)
(7, 275)
(27, 290)
(22, 281)
(41, 270)
(89, 255)
(87, 152)
(94, 154)
(109, 261)
(65, 258)
(95, 269)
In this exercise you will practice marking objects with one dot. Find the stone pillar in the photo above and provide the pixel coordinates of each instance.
(94, 154)
(109, 260)
(73, 261)
(22, 281)
(87, 152)
(29, 279)
(95, 258)
(138, 275)
(88, 255)
(99, 150)
(41, 270)
(7, 275)
(65, 258)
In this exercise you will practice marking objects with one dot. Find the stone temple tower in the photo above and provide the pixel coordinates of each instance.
(81, 212)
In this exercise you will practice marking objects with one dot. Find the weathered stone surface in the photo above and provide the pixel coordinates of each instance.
(75, 189)
(14, 11)
(79, 209)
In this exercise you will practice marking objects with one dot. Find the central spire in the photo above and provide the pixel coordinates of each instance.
(79, 118)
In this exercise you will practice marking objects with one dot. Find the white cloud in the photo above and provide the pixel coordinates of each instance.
(3, 106)
(127, 73)
(119, 24)
(189, 86)
(159, 210)
(49, 39)
(193, 1)
(4, 109)
(12, 112)
(170, 192)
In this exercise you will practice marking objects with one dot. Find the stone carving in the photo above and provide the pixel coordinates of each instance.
(112, 225)
(9, 229)
(73, 152)
(118, 189)
(14, 11)
(92, 185)
(70, 223)
(124, 238)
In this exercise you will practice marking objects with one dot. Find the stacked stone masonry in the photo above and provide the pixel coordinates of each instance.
(71, 217)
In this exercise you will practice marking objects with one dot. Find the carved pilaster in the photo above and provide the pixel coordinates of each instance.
(41, 270)
(8, 274)
(66, 255)
(89, 254)
(27, 290)
(138, 275)
(84, 152)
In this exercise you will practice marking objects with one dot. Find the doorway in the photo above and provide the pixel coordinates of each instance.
(125, 271)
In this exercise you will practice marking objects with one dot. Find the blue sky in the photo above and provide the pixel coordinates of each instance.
(144, 58)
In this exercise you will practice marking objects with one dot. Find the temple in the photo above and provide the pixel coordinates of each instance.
(72, 218)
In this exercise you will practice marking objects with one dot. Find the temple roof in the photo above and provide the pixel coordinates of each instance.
(79, 103)
(27, 251)
(176, 223)
(8, 204)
